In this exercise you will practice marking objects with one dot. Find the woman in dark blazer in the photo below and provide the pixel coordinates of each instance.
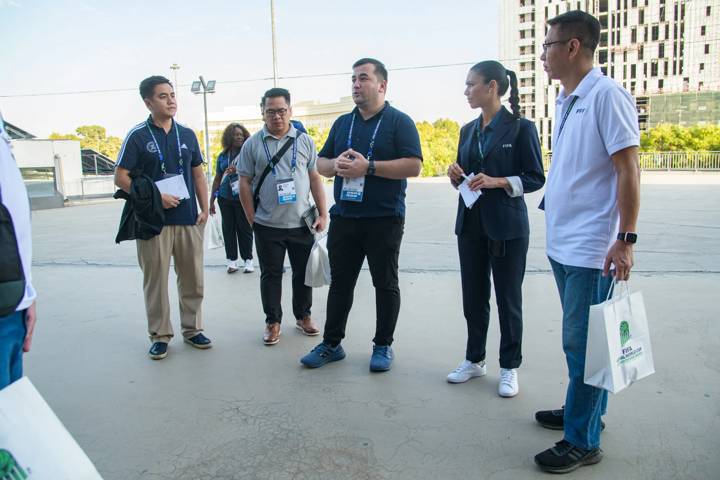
(500, 153)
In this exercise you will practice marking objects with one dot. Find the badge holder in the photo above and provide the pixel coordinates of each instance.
(286, 191)
(352, 189)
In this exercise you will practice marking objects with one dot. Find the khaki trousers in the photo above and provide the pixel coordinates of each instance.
(184, 243)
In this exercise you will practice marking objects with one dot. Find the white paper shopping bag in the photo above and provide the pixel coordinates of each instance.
(33, 442)
(618, 343)
(215, 239)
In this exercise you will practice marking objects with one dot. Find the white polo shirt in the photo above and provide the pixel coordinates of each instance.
(15, 198)
(581, 212)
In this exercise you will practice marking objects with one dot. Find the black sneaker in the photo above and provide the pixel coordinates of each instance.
(553, 419)
(565, 457)
(158, 351)
(199, 341)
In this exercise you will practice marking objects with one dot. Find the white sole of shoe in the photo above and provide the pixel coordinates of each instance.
(306, 333)
(475, 375)
(510, 395)
(273, 343)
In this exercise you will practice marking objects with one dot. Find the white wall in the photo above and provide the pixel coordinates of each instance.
(63, 155)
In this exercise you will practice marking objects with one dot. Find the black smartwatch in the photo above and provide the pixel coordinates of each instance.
(628, 237)
(371, 167)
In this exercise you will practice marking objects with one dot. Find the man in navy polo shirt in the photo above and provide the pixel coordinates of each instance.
(370, 151)
(162, 149)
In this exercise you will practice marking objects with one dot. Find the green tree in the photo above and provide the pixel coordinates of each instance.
(669, 138)
(439, 145)
(94, 137)
(319, 136)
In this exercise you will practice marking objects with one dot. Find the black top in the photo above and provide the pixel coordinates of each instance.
(396, 138)
(139, 155)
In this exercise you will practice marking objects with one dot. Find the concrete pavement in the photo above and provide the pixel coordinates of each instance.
(246, 411)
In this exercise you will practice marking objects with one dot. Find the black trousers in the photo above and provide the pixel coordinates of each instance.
(271, 244)
(350, 240)
(236, 230)
(479, 256)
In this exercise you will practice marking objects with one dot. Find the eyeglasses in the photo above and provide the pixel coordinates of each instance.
(280, 112)
(549, 44)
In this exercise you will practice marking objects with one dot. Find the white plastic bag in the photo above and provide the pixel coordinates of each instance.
(215, 239)
(317, 272)
(33, 442)
(618, 342)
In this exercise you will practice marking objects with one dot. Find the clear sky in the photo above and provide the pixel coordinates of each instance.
(77, 45)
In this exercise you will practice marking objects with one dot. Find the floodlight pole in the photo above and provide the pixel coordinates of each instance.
(207, 134)
(274, 48)
(175, 67)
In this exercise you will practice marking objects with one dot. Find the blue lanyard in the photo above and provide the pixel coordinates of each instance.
(160, 154)
(565, 117)
(372, 139)
(293, 163)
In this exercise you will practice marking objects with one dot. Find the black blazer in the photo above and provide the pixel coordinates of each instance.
(514, 151)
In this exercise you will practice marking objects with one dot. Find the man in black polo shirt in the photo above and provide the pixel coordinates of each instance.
(370, 151)
(162, 149)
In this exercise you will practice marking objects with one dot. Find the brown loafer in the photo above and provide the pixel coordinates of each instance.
(272, 333)
(307, 326)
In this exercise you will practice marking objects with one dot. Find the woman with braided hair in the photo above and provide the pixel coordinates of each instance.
(498, 155)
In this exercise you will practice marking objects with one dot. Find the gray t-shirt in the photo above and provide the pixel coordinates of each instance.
(252, 163)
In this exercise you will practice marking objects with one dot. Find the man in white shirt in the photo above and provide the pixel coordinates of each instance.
(16, 329)
(593, 188)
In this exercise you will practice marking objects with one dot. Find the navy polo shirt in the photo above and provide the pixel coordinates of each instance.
(396, 138)
(139, 154)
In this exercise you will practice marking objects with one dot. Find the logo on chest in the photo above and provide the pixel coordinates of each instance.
(580, 111)
(507, 145)
(151, 147)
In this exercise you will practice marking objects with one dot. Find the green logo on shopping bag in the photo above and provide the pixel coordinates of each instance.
(624, 333)
(9, 469)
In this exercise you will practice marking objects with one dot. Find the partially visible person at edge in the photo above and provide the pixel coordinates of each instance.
(591, 207)
(500, 152)
(161, 148)
(16, 329)
(226, 188)
(284, 197)
(370, 152)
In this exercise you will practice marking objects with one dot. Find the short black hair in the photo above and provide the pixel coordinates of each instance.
(275, 92)
(580, 25)
(147, 86)
(380, 70)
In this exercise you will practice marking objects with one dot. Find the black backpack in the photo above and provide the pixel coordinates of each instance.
(12, 276)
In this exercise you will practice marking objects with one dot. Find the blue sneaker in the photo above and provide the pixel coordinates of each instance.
(323, 354)
(382, 358)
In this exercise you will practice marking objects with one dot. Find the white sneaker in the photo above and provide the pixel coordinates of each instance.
(249, 268)
(232, 266)
(508, 386)
(467, 370)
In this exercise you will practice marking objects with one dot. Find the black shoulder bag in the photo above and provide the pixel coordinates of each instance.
(273, 161)
(12, 276)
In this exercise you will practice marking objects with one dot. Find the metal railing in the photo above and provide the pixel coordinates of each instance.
(672, 161)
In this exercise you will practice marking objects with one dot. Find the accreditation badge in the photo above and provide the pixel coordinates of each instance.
(352, 189)
(286, 191)
(235, 187)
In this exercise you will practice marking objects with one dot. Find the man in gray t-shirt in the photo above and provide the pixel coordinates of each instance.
(284, 197)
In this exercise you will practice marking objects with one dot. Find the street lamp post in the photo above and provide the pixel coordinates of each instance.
(175, 67)
(205, 87)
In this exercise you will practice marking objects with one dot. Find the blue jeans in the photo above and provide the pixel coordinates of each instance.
(579, 288)
(12, 336)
